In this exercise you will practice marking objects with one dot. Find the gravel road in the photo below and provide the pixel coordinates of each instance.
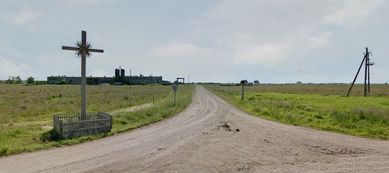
(211, 136)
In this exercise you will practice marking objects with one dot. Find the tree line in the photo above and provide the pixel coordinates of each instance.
(18, 80)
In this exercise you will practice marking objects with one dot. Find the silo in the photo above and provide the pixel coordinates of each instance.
(117, 73)
(122, 72)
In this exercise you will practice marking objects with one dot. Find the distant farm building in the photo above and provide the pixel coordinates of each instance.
(118, 79)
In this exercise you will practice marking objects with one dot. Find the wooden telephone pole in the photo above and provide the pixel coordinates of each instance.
(367, 63)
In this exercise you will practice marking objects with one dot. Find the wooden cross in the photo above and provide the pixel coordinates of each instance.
(83, 49)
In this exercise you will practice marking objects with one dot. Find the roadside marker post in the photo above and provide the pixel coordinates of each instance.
(174, 87)
(242, 83)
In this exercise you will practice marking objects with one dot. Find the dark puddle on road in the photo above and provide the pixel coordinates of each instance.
(227, 127)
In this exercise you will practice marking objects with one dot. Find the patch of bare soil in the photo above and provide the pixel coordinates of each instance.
(133, 109)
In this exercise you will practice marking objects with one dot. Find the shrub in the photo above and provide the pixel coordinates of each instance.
(3, 151)
(51, 135)
(30, 81)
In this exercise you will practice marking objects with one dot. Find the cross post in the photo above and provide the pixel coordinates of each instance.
(83, 49)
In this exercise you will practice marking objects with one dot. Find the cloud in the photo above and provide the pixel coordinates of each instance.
(175, 50)
(10, 68)
(226, 39)
(275, 54)
(287, 37)
(268, 33)
(268, 55)
(83, 3)
(25, 16)
(319, 40)
(354, 11)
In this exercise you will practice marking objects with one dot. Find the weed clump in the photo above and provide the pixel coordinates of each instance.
(50, 135)
(3, 151)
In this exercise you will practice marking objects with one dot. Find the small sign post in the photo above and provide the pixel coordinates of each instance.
(174, 87)
(242, 82)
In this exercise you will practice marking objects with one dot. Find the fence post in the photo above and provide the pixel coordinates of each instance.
(110, 122)
(243, 82)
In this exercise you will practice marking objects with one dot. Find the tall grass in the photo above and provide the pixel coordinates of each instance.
(28, 127)
(356, 115)
(164, 109)
(20, 104)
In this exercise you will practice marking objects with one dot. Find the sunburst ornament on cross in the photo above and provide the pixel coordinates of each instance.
(83, 49)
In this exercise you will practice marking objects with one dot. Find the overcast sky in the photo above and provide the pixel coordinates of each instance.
(208, 40)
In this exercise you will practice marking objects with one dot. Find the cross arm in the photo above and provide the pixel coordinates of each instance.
(69, 48)
(96, 50)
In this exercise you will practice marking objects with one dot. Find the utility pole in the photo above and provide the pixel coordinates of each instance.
(366, 83)
(368, 70)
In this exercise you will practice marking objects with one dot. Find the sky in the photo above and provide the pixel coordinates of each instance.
(277, 41)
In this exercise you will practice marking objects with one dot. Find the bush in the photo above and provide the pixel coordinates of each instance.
(51, 135)
(3, 151)
(62, 82)
(30, 81)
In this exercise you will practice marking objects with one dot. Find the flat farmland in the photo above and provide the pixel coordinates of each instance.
(26, 111)
(320, 106)
(211, 135)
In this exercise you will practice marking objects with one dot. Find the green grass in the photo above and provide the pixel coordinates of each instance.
(321, 89)
(356, 115)
(23, 129)
(162, 110)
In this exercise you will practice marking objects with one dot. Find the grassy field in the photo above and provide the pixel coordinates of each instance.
(26, 111)
(317, 106)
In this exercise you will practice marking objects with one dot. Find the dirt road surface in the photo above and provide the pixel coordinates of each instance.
(211, 136)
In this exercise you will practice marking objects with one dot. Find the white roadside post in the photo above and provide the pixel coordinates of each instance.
(174, 87)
